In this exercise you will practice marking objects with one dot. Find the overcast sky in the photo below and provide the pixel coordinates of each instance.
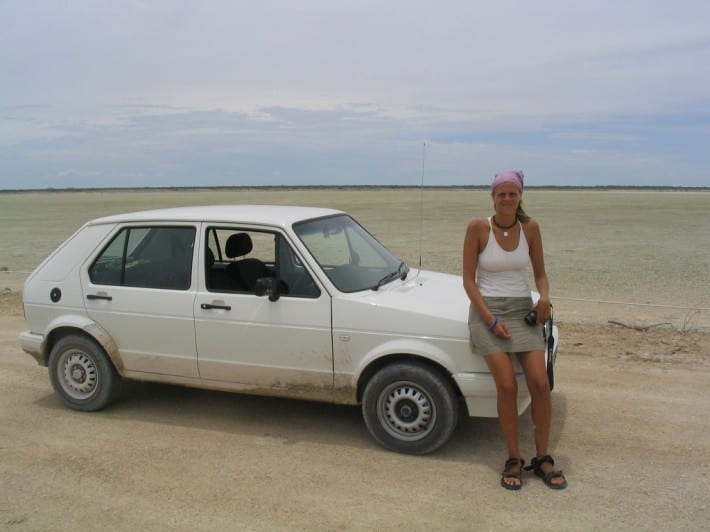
(326, 92)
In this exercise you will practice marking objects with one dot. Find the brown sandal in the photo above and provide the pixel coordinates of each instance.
(508, 472)
(547, 478)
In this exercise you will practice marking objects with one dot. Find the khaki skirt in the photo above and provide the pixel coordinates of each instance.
(511, 311)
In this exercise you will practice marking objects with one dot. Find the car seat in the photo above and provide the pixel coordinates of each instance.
(247, 270)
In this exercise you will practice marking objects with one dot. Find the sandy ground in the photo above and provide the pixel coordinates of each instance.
(631, 429)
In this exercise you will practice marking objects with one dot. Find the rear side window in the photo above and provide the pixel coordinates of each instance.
(147, 257)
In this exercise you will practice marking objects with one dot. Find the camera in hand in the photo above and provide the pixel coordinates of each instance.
(531, 318)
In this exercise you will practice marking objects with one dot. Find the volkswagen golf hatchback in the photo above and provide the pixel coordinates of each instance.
(284, 301)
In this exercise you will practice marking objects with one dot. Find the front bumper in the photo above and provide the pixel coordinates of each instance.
(479, 392)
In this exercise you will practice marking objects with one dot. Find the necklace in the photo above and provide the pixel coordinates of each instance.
(504, 227)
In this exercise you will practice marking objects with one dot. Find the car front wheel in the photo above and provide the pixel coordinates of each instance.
(82, 374)
(410, 408)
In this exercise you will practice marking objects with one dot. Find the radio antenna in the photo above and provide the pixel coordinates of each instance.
(421, 207)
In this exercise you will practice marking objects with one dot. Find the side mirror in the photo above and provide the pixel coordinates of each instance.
(267, 286)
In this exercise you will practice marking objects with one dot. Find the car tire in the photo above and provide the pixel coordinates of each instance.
(410, 408)
(82, 374)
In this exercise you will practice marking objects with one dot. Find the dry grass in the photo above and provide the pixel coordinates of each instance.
(649, 250)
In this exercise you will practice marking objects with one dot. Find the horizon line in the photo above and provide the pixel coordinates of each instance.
(664, 188)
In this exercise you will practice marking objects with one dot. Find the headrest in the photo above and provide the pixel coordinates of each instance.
(238, 245)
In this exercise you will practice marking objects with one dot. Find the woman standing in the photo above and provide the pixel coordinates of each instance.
(496, 253)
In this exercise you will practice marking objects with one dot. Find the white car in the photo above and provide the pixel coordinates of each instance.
(285, 301)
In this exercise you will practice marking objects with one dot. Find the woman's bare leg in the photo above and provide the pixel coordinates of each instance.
(501, 368)
(533, 364)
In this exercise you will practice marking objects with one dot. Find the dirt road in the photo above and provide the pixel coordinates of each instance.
(631, 429)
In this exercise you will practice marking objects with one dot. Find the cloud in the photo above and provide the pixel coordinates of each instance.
(316, 92)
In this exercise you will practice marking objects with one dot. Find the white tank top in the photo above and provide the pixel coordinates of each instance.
(501, 273)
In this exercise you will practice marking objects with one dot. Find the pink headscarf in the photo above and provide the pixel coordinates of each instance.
(511, 176)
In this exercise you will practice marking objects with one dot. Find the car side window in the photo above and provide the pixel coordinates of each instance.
(147, 257)
(236, 258)
(295, 280)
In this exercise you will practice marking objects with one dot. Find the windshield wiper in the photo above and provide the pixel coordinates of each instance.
(401, 272)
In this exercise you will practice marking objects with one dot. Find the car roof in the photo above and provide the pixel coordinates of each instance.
(274, 215)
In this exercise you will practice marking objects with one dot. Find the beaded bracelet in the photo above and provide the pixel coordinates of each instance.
(493, 325)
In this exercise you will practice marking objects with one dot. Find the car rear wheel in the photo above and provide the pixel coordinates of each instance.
(81, 374)
(410, 408)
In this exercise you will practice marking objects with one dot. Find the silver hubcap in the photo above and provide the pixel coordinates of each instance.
(78, 374)
(406, 411)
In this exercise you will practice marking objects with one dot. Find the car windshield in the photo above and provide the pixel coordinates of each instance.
(350, 256)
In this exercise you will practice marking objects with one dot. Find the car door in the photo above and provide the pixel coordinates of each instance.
(253, 340)
(140, 289)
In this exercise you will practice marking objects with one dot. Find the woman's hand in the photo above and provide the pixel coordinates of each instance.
(501, 330)
(543, 308)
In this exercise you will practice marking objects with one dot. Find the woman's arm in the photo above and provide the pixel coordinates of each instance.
(534, 237)
(471, 249)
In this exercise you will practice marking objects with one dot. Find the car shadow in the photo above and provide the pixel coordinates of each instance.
(287, 419)
(475, 440)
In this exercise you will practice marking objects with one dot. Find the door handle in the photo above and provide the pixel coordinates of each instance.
(98, 296)
(208, 306)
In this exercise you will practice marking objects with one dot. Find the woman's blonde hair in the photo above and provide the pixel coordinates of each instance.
(520, 214)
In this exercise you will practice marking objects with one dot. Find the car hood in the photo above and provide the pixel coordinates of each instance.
(425, 304)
